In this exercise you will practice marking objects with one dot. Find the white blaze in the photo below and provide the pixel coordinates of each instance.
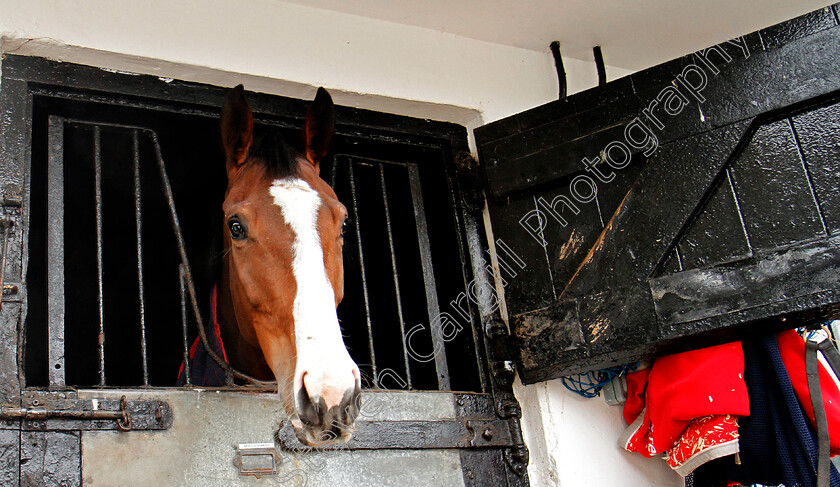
(320, 350)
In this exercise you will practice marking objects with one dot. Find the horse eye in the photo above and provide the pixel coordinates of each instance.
(237, 230)
(344, 226)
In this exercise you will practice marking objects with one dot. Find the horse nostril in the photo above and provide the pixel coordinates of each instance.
(310, 409)
(350, 406)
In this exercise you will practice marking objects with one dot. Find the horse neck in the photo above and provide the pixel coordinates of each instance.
(243, 356)
(225, 315)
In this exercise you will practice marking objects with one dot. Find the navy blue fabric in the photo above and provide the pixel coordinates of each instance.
(204, 371)
(778, 444)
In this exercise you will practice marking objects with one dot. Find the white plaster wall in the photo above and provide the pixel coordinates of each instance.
(290, 49)
(285, 49)
(574, 442)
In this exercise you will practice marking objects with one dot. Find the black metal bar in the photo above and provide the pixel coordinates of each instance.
(561, 70)
(599, 65)
(55, 251)
(394, 271)
(334, 172)
(477, 263)
(135, 140)
(97, 162)
(362, 267)
(182, 250)
(87, 83)
(182, 281)
(429, 278)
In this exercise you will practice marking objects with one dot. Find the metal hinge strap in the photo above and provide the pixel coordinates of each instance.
(415, 435)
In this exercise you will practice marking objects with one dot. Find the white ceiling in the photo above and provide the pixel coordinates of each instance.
(633, 34)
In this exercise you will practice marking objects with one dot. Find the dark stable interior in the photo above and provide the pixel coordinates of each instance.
(195, 164)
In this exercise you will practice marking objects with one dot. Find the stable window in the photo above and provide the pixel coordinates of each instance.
(112, 187)
(108, 301)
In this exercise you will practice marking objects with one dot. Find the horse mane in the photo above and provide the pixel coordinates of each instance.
(278, 157)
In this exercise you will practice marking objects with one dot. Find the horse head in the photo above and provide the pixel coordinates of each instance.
(283, 276)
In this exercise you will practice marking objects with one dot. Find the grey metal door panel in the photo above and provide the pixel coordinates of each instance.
(200, 448)
(49, 458)
(9, 458)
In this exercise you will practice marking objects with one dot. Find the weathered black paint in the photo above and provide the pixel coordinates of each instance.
(765, 80)
(742, 179)
(534, 284)
(651, 215)
(773, 189)
(802, 26)
(487, 468)
(814, 129)
(767, 278)
(717, 233)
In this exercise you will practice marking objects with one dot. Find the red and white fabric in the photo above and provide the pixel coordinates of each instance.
(704, 440)
(679, 389)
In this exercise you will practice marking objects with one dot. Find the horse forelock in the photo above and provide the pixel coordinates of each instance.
(278, 157)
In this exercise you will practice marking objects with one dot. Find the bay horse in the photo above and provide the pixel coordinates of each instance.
(282, 274)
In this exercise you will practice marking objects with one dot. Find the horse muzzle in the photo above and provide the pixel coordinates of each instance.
(327, 407)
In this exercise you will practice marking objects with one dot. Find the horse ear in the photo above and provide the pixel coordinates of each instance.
(319, 127)
(237, 127)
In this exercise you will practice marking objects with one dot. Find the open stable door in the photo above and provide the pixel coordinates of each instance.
(679, 207)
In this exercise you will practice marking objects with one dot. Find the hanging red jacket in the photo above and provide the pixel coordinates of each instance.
(681, 388)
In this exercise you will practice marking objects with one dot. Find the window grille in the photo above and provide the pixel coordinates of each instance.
(111, 304)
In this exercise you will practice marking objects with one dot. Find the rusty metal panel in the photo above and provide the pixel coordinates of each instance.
(9, 379)
(15, 127)
(63, 411)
